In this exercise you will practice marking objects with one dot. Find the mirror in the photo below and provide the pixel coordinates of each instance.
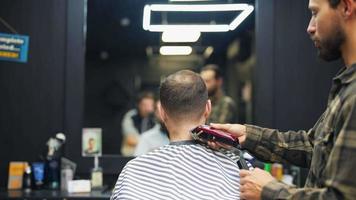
(123, 59)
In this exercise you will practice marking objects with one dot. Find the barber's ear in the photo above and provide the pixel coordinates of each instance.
(161, 112)
(207, 109)
(349, 7)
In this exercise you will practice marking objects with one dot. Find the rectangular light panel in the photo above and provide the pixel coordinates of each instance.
(245, 9)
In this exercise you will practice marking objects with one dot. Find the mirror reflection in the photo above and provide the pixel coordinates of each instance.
(125, 64)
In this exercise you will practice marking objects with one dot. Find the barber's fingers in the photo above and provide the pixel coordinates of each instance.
(224, 127)
(244, 192)
(247, 192)
(217, 145)
(234, 129)
(244, 173)
(225, 146)
(213, 145)
(245, 177)
(242, 189)
(243, 181)
(245, 195)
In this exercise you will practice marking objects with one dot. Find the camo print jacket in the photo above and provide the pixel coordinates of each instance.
(328, 149)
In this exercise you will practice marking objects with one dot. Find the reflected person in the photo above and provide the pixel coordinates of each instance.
(223, 107)
(137, 121)
(153, 138)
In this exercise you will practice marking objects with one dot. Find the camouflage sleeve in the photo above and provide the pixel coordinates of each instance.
(270, 145)
(228, 111)
(340, 176)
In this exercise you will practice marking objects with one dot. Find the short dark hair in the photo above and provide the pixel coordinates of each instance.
(145, 95)
(334, 3)
(184, 94)
(215, 68)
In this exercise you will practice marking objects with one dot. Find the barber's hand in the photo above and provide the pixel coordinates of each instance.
(252, 183)
(235, 129)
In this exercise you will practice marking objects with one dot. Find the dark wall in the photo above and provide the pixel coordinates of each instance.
(43, 96)
(109, 92)
(291, 83)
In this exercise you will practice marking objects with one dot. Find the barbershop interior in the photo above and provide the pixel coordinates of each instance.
(85, 89)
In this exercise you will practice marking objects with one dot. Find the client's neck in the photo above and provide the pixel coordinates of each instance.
(180, 131)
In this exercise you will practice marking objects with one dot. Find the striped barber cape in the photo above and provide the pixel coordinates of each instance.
(180, 170)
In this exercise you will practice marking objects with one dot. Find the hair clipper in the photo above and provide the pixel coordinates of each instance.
(206, 133)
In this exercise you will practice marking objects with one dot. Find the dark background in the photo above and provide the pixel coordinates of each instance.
(291, 83)
(46, 95)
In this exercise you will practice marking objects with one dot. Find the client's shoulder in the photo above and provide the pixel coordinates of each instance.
(154, 154)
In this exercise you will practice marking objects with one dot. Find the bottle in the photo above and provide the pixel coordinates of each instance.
(96, 174)
(53, 174)
(27, 179)
(66, 176)
(277, 171)
(268, 167)
(38, 169)
(295, 172)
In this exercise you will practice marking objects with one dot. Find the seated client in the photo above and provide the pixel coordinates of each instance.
(183, 169)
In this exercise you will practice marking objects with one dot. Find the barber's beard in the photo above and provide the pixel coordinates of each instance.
(212, 91)
(330, 48)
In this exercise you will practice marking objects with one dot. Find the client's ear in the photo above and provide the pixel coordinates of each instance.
(207, 109)
(161, 112)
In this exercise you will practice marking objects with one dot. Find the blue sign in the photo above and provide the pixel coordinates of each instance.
(13, 47)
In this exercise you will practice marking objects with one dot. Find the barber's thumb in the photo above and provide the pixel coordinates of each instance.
(244, 173)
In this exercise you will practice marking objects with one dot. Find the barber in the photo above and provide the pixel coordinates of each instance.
(329, 148)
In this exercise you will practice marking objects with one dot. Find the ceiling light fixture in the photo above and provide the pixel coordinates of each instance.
(175, 50)
(180, 36)
(198, 7)
(245, 9)
(200, 28)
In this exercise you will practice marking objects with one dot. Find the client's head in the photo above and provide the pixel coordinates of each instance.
(184, 99)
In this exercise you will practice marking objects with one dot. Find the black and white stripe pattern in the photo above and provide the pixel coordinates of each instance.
(180, 171)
